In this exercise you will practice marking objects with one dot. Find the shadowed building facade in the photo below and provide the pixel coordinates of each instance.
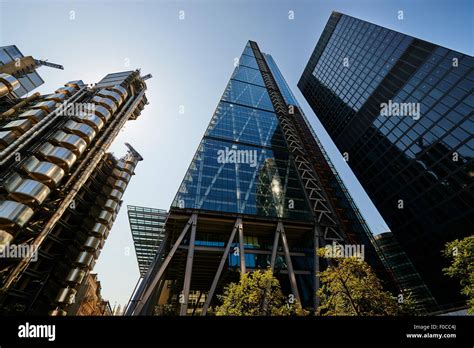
(417, 165)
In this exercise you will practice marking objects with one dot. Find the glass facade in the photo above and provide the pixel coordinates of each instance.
(29, 81)
(244, 173)
(114, 79)
(352, 222)
(403, 269)
(148, 230)
(416, 164)
(242, 165)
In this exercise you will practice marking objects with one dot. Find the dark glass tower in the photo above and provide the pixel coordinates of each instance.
(260, 192)
(415, 164)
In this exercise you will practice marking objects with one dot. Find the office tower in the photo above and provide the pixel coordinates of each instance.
(259, 193)
(400, 110)
(60, 190)
(147, 226)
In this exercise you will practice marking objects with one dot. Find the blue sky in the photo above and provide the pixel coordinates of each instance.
(191, 61)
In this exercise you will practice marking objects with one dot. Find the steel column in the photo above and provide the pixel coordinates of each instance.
(275, 248)
(189, 269)
(149, 307)
(238, 223)
(164, 265)
(289, 265)
(241, 249)
(272, 266)
(197, 303)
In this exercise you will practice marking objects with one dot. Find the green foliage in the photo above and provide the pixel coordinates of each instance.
(408, 306)
(461, 255)
(247, 298)
(350, 287)
(164, 309)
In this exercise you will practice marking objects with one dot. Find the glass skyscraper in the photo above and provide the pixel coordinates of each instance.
(147, 226)
(245, 122)
(260, 192)
(400, 110)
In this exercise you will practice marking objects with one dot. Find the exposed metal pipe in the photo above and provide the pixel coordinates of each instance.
(29, 135)
(13, 109)
(21, 266)
(104, 136)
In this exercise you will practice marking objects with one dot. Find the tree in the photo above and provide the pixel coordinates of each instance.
(164, 310)
(248, 297)
(461, 255)
(349, 286)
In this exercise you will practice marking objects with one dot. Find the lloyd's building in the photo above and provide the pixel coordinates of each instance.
(60, 190)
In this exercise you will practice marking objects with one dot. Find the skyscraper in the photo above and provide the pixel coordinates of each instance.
(60, 190)
(147, 226)
(400, 110)
(260, 192)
